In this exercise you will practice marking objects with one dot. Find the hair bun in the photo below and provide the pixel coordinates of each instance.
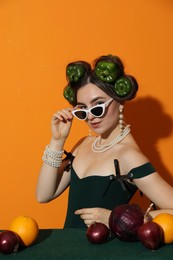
(108, 68)
(125, 88)
(69, 94)
(75, 71)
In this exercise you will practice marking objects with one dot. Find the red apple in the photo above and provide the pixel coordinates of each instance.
(150, 234)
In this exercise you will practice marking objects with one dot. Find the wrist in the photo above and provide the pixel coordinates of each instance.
(57, 144)
(52, 157)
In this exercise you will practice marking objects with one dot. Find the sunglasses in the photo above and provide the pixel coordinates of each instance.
(96, 111)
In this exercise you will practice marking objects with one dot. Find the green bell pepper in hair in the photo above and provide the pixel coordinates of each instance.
(123, 87)
(75, 72)
(69, 94)
(107, 71)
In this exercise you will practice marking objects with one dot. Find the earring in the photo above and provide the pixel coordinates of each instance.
(89, 133)
(121, 116)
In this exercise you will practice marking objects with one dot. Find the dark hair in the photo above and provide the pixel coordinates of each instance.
(91, 76)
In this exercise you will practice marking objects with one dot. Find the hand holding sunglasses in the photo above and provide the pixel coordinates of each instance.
(96, 111)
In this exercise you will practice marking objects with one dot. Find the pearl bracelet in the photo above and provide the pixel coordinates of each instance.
(52, 158)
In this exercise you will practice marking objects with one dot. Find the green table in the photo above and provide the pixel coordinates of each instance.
(73, 244)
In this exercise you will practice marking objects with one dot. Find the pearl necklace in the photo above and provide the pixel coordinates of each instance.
(100, 148)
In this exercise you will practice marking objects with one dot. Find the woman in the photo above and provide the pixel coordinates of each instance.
(104, 170)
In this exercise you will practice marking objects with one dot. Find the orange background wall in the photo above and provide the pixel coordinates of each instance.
(37, 40)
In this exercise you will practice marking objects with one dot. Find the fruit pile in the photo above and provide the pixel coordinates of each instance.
(128, 223)
(22, 232)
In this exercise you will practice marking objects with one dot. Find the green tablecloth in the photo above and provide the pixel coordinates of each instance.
(73, 244)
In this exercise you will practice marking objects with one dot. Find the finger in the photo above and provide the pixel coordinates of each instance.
(56, 118)
(66, 114)
(62, 115)
(78, 212)
(89, 222)
(87, 217)
(83, 211)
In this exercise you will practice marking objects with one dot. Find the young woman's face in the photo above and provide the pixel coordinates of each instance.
(90, 95)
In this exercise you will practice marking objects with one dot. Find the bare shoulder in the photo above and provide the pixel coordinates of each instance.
(131, 156)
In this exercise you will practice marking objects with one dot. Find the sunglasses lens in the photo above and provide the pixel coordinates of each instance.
(80, 114)
(97, 111)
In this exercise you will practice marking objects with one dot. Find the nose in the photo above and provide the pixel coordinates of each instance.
(89, 116)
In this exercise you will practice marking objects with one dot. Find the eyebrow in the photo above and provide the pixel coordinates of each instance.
(92, 101)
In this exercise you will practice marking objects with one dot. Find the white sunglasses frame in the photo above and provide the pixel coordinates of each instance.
(104, 105)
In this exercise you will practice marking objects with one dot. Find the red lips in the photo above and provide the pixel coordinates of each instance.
(95, 125)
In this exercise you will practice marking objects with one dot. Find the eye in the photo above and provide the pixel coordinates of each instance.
(99, 103)
(82, 107)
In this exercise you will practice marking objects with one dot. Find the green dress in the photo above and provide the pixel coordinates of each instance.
(101, 191)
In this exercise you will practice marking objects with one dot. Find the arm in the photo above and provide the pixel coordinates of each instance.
(153, 186)
(158, 191)
(53, 181)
